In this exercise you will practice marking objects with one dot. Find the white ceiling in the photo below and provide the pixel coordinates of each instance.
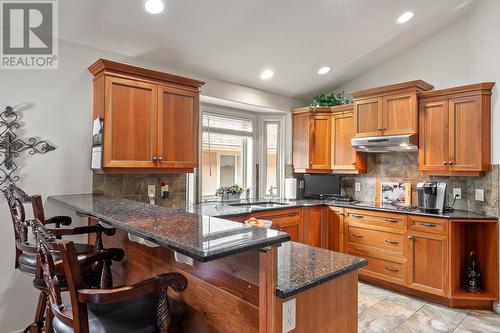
(234, 40)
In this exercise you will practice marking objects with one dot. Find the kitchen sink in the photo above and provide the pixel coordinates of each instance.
(263, 204)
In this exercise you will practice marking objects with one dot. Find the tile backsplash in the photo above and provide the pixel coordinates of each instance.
(135, 187)
(403, 167)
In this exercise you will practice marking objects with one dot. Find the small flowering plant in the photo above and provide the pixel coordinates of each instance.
(234, 189)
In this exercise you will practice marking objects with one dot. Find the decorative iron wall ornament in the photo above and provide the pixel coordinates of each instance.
(11, 146)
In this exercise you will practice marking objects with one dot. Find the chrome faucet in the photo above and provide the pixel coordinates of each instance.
(271, 192)
(247, 193)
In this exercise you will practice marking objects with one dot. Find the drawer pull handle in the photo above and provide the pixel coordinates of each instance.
(392, 220)
(357, 216)
(391, 241)
(293, 214)
(390, 269)
(428, 225)
(410, 237)
(358, 235)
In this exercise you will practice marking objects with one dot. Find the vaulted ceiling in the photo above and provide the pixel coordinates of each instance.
(234, 40)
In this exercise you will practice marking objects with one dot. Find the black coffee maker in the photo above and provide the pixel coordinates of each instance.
(473, 276)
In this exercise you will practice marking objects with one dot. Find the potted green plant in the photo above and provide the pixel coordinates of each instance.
(325, 100)
(226, 193)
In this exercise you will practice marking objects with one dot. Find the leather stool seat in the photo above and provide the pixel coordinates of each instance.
(133, 316)
(27, 261)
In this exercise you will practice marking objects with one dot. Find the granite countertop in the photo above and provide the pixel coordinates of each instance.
(301, 267)
(200, 237)
(226, 210)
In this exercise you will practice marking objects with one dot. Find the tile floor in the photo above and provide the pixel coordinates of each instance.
(383, 311)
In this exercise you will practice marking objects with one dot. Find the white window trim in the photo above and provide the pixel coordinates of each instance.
(280, 155)
(224, 111)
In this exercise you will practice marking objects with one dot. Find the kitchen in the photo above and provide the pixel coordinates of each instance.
(142, 147)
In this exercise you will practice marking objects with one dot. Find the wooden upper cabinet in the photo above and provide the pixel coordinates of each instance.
(368, 117)
(320, 142)
(300, 140)
(131, 108)
(178, 118)
(465, 133)
(433, 135)
(151, 119)
(388, 110)
(455, 130)
(344, 157)
(400, 114)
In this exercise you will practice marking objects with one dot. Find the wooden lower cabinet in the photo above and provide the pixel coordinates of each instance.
(422, 256)
(427, 262)
(286, 220)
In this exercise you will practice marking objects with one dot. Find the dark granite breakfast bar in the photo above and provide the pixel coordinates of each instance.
(259, 269)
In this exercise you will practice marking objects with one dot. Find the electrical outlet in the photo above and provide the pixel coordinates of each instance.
(357, 187)
(479, 194)
(457, 193)
(289, 315)
(151, 190)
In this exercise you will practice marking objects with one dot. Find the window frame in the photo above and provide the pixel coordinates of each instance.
(280, 154)
(232, 113)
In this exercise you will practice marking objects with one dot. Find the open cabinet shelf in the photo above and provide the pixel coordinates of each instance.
(482, 238)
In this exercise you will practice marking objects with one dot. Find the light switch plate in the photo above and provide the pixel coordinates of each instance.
(357, 187)
(151, 190)
(479, 194)
(457, 191)
(289, 315)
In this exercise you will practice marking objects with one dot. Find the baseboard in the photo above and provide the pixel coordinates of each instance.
(496, 307)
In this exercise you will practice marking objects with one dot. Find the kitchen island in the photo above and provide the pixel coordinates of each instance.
(240, 278)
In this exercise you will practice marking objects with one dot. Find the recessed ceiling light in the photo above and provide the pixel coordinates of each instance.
(154, 6)
(323, 70)
(405, 17)
(266, 74)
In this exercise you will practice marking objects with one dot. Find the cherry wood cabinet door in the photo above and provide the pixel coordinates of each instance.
(292, 230)
(465, 134)
(178, 128)
(368, 117)
(334, 231)
(428, 262)
(130, 116)
(434, 136)
(300, 142)
(312, 226)
(343, 155)
(320, 142)
(400, 114)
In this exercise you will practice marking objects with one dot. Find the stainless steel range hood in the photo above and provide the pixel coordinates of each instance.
(383, 144)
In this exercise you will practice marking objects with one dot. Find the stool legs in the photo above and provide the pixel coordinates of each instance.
(37, 325)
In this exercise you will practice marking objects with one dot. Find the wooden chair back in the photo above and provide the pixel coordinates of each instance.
(47, 244)
(16, 198)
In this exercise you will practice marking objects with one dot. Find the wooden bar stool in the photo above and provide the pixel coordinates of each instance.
(25, 256)
(139, 308)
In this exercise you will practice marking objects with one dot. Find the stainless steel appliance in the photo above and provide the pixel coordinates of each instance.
(431, 196)
(382, 144)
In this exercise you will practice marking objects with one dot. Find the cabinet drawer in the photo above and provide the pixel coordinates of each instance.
(375, 238)
(280, 218)
(380, 268)
(428, 224)
(384, 220)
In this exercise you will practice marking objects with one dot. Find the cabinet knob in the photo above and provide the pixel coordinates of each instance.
(450, 163)
(155, 158)
(410, 237)
(160, 158)
(310, 163)
(445, 163)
